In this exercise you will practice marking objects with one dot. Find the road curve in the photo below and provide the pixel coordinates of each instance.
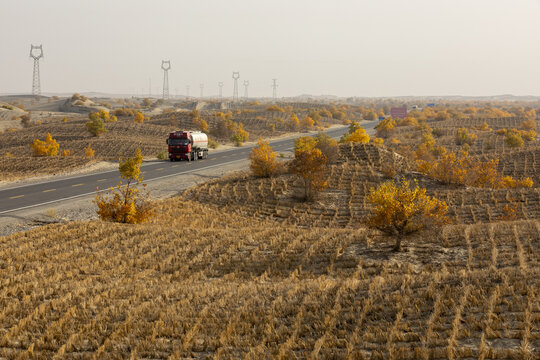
(32, 195)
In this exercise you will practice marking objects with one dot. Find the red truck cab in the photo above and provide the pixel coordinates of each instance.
(187, 145)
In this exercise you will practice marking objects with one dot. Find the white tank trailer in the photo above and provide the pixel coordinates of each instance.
(187, 145)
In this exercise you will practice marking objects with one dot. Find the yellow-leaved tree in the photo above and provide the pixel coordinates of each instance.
(400, 210)
(89, 152)
(309, 164)
(356, 134)
(49, 147)
(385, 127)
(139, 117)
(126, 204)
(240, 135)
(263, 159)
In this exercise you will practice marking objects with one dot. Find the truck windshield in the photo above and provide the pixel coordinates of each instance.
(179, 142)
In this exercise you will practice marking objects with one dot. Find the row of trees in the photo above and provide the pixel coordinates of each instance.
(398, 209)
(50, 147)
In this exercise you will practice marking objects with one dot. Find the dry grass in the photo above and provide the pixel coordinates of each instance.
(203, 286)
(238, 268)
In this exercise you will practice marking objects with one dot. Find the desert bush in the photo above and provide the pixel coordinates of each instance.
(438, 151)
(508, 182)
(66, 152)
(295, 123)
(49, 147)
(385, 127)
(263, 159)
(126, 204)
(240, 135)
(201, 124)
(307, 123)
(9, 155)
(408, 121)
(78, 97)
(146, 102)
(162, 155)
(310, 166)
(124, 112)
(528, 124)
(275, 108)
(25, 120)
(327, 145)
(442, 115)
(370, 115)
(461, 169)
(356, 134)
(315, 116)
(377, 141)
(96, 126)
(513, 139)
(399, 210)
(528, 135)
(428, 140)
(484, 127)
(64, 119)
(438, 132)
(89, 152)
(139, 117)
(212, 144)
(463, 137)
(388, 171)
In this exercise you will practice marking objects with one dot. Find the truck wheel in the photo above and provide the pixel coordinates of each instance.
(205, 154)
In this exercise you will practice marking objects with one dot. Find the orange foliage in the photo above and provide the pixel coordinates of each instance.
(400, 210)
(49, 147)
(89, 152)
(126, 204)
(263, 159)
(310, 165)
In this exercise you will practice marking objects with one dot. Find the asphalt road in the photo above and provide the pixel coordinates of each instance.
(32, 195)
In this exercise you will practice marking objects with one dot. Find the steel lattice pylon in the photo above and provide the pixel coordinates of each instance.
(274, 91)
(36, 83)
(220, 84)
(235, 76)
(166, 66)
(246, 84)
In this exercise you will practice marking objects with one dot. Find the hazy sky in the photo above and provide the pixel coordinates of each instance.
(340, 47)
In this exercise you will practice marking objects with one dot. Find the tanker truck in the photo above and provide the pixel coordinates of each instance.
(187, 145)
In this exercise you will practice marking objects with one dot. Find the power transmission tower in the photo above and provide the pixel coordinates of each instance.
(166, 66)
(274, 92)
(202, 88)
(36, 84)
(235, 76)
(220, 84)
(246, 84)
(187, 90)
